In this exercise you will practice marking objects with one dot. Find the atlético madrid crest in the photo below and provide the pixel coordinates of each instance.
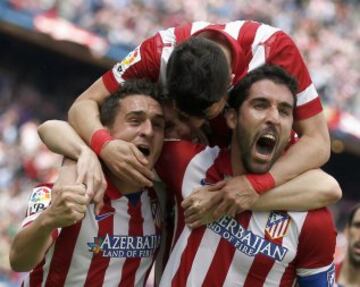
(277, 224)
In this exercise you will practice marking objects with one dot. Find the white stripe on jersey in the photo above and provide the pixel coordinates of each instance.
(306, 95)
(197, 26)
(148, 229)
(120, 227)
(168, 37)
(192, 176)
(174, 261)
(233, 28)
(88, 230)
(307, 272)
(203, 258)
(46, 266)
(263, 33)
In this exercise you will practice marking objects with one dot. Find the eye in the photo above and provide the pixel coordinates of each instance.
(284, 112)
(159, 124)
(134, 121)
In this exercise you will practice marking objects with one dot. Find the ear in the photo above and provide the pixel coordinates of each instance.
(231, 118)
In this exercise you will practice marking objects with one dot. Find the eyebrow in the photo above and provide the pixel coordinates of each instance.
(142, 113)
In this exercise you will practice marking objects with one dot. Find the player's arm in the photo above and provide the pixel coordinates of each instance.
(315, 253)
(68, 206)
(61, 138)
(121, 157)
(313, 148)
(313, 189)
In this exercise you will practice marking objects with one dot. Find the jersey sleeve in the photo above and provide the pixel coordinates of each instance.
(315, 255)
(39, 201)
(142, 62)
(175, 157)
(282, 51)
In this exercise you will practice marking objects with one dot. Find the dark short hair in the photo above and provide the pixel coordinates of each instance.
(352, 214)
(197, 75)
(110, 106)
(271, 72)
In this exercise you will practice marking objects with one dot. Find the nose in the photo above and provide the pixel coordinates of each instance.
(147, 128)
(273, 115)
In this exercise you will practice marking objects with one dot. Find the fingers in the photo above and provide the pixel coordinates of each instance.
(217, 186)
(139, 155)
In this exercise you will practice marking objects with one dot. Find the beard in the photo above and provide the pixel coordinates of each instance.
(354, 258)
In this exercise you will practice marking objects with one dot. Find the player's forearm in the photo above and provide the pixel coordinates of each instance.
(311, 190)
(83, 115)
(310, 152)
(30, 244)
(61, 138)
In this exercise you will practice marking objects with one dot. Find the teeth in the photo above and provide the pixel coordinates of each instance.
(269, 136)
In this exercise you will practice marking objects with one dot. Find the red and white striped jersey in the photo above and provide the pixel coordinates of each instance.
(253, 249)
(115, 248)
(253, 44)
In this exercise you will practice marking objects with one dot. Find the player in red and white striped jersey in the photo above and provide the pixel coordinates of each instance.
(252, 248)
(66, 243)
(198, 62)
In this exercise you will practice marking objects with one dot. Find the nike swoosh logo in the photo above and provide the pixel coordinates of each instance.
(203, 182)
(103, 216)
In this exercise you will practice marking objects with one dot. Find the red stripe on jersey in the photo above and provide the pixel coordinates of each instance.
(308, 110)
(110, 82)
(320, 252)
(281, 50)
(61, 260)
(187, 257)
(172, 162)
(36, 275)
(288, 277)
(99, 263)
(223, 257)
(245, 39)
(182, 32)
(135, 229)
(261, 266)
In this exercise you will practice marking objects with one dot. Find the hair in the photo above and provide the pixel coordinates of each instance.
(352, 214)
(271, 72)
(111, 105)
(197, 75)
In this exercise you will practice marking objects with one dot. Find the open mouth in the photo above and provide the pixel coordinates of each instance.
(266, 143)
(144, 149)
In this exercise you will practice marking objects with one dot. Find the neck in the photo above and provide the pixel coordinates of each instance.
(123, 187)
(350, 274)
(236, 160)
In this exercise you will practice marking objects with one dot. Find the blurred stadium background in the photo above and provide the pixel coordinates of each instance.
(51, 50)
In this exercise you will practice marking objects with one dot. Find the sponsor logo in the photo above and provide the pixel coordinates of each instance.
(103, 216)
(39, 200)
(125, 246)
(277, 224)
(245, 241)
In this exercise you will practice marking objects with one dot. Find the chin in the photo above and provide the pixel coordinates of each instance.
(258, 168)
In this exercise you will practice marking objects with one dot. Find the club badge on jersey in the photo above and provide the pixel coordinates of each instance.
(277, 224)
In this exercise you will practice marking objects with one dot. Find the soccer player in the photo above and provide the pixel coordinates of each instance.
(349, 269)
(65, 243)
(198, 63)
(273, 248)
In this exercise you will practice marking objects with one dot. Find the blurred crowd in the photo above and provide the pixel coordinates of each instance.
(327, 33)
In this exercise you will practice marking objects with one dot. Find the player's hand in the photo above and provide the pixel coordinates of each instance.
(90, 173)
(200, 205)
(237, 195)
(127, 162)
(68, 205)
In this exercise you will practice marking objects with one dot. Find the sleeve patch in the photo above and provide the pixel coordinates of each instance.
(39, 200)
(322, 279)
(132, 58)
